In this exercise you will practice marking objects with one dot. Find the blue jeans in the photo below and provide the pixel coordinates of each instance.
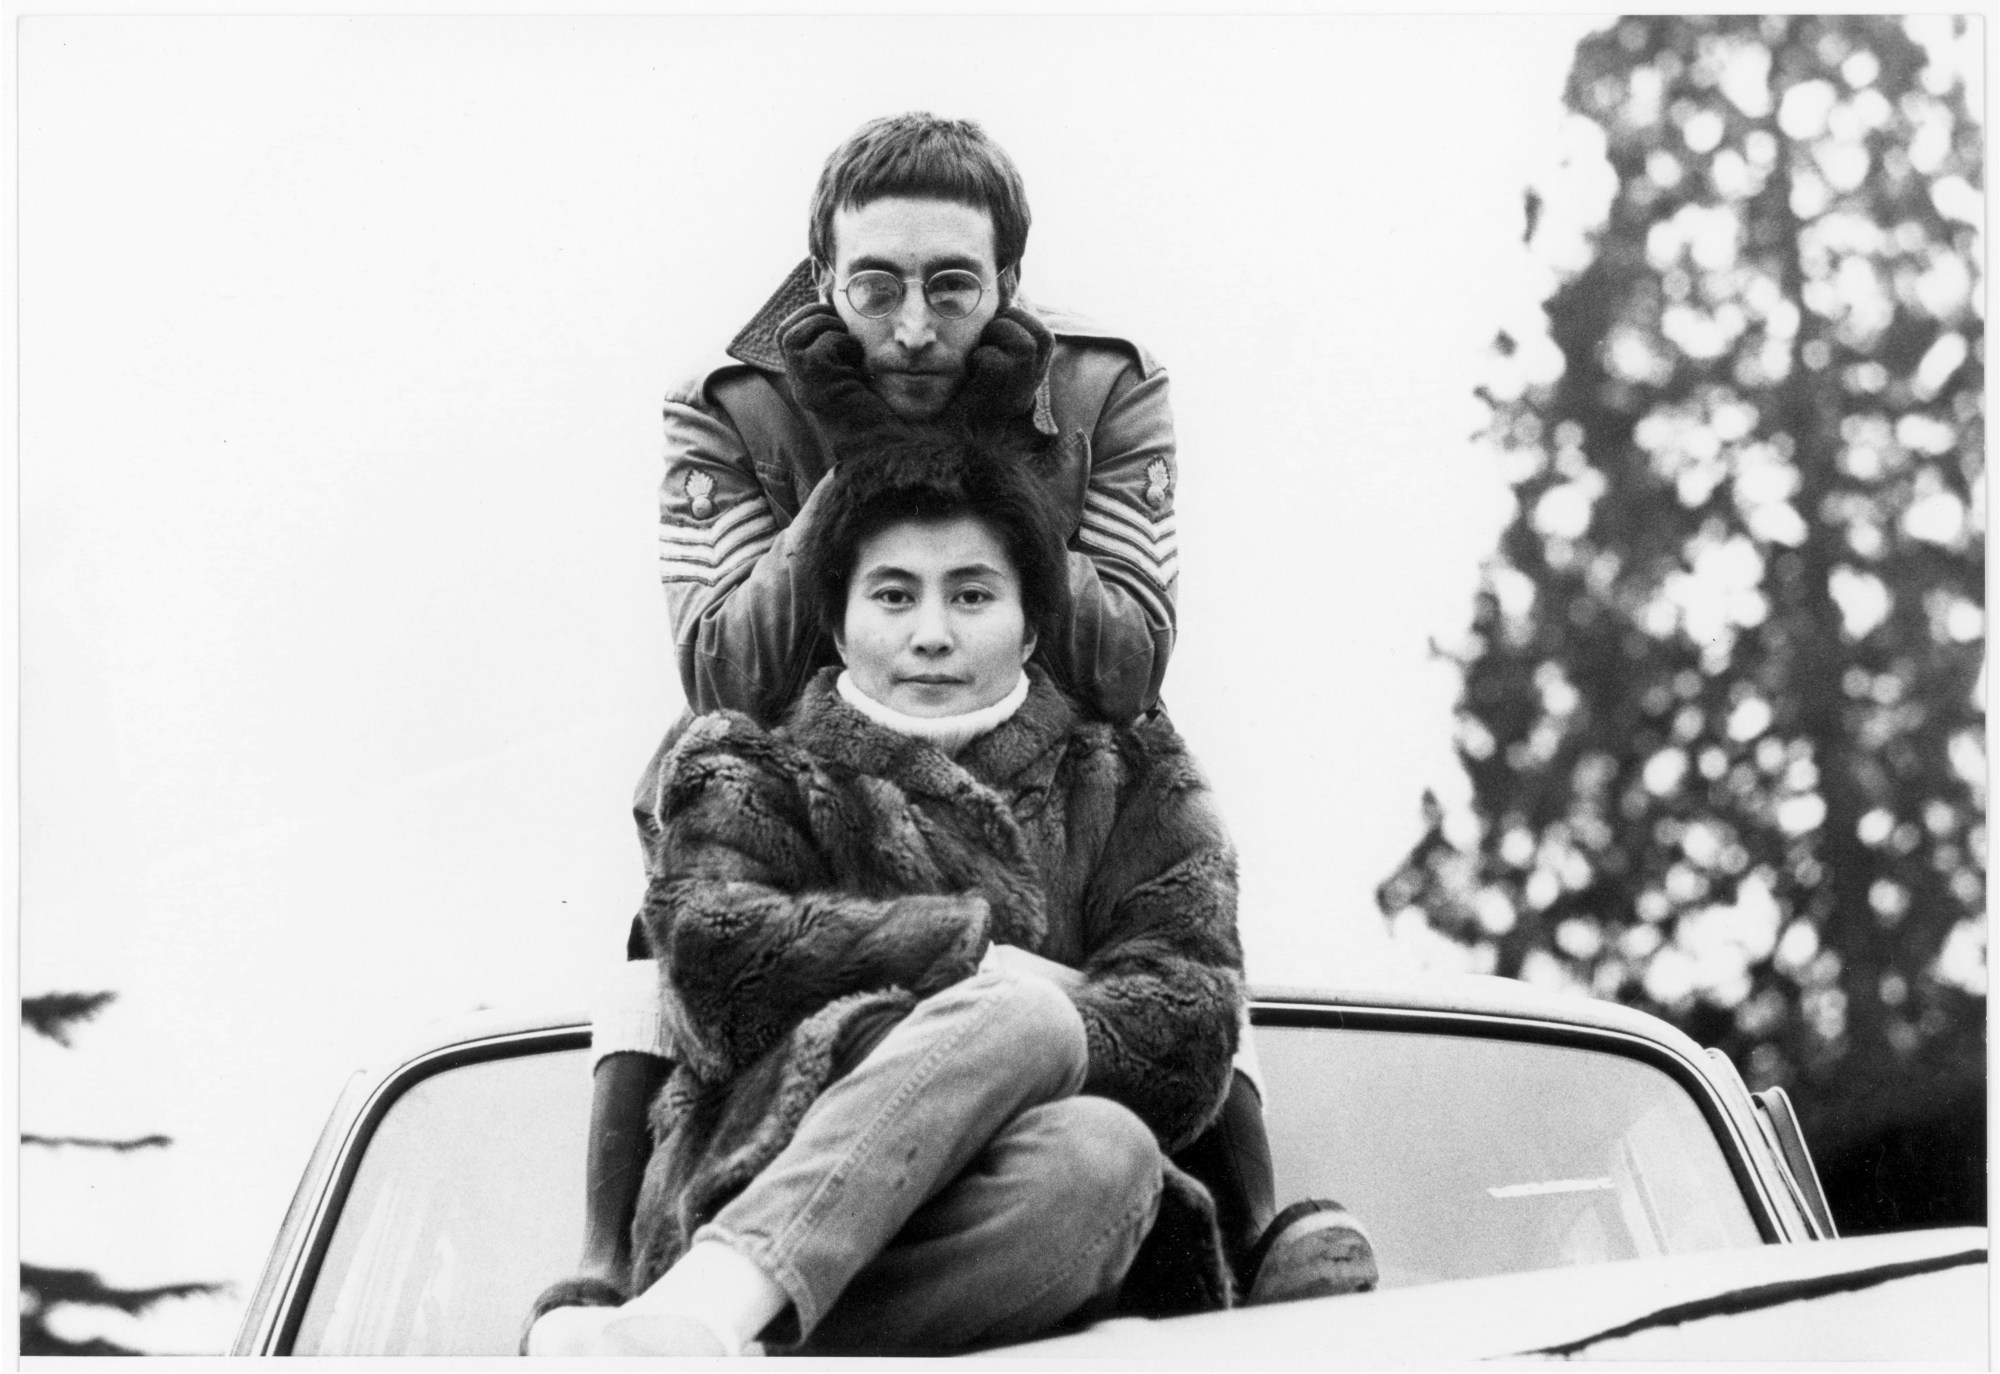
(954, 1188)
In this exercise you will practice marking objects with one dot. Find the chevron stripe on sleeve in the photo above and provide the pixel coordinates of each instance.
(707, 554)
(1114, 529)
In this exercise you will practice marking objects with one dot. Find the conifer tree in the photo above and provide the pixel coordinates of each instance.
(1721, 709)
(43, 1289)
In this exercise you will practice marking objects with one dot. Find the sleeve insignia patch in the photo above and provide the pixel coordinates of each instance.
(700, 488)
(1159, 485)
(710, 553)
(1140, 552)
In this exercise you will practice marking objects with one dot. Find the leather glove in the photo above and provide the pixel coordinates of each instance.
(829, 370)
(1003, 371)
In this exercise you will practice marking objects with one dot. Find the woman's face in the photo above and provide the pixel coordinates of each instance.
(934, 624)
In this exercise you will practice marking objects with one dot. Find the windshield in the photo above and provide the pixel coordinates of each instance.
(1465, 1155)
(468, 1203)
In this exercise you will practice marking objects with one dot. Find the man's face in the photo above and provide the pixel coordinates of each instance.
(916, 358)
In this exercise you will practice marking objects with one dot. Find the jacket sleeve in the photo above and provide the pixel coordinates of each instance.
(1163, 970)
(1124, 569)
(750, 934)
(743, 635)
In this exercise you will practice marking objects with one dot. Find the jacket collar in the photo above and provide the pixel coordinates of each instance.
(756, 343)
(1004, 758)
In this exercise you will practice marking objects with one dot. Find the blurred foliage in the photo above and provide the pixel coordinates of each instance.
(1721, 710)
(54, 1014)
(42, 1289)
(91, 1142)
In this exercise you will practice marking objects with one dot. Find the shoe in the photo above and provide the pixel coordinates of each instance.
(1312, 1249)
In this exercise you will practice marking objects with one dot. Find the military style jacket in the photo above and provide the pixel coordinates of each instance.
(743, 460)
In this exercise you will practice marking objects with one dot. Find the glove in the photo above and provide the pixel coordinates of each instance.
(1003, 371)
(829, 370)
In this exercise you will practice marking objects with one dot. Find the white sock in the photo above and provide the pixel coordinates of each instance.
(715, 1286)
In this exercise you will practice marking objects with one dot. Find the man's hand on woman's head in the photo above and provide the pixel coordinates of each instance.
(829, 370)
(1004, 370)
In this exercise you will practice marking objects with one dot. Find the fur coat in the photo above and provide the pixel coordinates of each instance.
(813, 881)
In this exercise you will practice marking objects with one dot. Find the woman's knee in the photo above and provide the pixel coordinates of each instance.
(1109, 1158)
(1030, 1024)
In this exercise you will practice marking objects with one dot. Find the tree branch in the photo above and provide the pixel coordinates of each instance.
(53, 1014)
(85, 1142)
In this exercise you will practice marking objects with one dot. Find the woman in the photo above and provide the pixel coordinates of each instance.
(949, 968)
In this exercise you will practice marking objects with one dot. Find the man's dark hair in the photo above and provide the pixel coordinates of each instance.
(918, 154)
(932, 474)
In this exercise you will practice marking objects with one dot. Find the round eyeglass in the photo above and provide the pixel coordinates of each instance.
(952, 294)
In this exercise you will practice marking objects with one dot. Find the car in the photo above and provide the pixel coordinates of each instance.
(1544, 1177)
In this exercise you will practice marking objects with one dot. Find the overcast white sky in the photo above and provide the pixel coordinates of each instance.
(341, 347)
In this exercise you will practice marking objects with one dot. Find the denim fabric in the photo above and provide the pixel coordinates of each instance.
(954, 1188)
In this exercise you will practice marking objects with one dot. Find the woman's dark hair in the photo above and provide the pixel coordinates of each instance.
(931, 474)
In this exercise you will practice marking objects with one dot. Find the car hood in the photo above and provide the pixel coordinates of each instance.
(1912, 1296)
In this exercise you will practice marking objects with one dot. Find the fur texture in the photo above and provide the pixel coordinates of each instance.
(812, 882)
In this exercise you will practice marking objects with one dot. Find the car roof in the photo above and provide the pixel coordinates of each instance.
(1456, 995)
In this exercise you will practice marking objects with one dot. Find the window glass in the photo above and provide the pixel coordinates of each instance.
(1466, 1156)
(468, 1202)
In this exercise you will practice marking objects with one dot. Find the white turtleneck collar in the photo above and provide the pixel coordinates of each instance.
(948, 733)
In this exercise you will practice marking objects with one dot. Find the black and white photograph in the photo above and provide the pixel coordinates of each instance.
(1161, 690)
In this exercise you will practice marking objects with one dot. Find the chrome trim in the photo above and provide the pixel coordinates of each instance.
(1784, 1171)
(1770, 1160)
(1774, 1105)
(253, 1333)
(1767, 1128)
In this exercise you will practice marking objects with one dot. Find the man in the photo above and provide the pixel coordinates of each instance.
(918, 226)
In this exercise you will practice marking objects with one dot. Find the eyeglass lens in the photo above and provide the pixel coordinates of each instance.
(953, 293)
